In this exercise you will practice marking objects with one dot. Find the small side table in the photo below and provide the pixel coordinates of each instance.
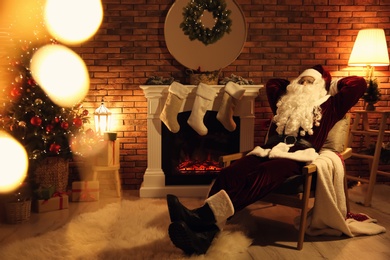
(373, 160)
(114, 169)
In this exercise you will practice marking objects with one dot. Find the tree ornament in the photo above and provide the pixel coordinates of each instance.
(77, 122)
(31, 82)
(192, 24)
(49, 128)
(22, 124)
(15, 92)
(35, 154)
(38, 101)
(54, 148)
(36, 121)
(64, 125)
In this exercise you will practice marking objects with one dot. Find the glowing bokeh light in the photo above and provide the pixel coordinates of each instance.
(24, 18)
(61, 73)
(73, 21)
(14, 163)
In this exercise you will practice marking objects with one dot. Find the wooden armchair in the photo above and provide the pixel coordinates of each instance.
(297, 190)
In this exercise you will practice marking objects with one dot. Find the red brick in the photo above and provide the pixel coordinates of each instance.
(284, 37)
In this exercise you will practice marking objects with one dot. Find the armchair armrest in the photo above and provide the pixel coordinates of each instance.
(347, 153)
(312, 168)
(226, 160)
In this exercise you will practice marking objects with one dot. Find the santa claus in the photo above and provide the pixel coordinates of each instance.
(305, 110)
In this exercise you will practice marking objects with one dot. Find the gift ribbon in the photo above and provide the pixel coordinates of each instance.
(57, 194)
(85, 194)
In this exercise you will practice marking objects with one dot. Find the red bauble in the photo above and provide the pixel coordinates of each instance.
(36, 120)
(15, 92)
(77, 122)
(85, 112)
(65, 125)
(49, 128)
(31, 82)
(54, 148)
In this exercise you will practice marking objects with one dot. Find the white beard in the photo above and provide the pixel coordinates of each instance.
(299, 108)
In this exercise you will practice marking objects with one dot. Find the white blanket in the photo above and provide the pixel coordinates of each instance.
(328, 216)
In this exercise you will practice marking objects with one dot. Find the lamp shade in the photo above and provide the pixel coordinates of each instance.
(102, 118)
(370, 49)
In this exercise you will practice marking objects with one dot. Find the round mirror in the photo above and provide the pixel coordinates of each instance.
(205, 35)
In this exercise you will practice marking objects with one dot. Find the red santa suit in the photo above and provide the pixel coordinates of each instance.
(252, 177)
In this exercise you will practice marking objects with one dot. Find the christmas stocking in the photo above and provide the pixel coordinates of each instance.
(205, 95)
(176, 95)
(233, 93)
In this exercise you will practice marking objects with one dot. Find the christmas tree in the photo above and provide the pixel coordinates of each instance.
(28, 114)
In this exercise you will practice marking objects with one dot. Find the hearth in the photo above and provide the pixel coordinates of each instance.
(155, 184)
(191, 159)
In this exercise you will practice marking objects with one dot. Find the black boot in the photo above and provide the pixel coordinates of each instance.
(189, 241)
(199, 219)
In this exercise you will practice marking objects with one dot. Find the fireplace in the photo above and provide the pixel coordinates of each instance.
(155, 183)
(191, 159)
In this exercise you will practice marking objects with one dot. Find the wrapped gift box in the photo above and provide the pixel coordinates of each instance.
(58, 202)
(107, 153)
(44, 193)
(85, 190)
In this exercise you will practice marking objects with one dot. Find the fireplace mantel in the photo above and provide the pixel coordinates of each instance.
(153, 185)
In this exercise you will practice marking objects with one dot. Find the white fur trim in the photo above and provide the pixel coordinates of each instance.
(222, 207)
(333, 87)
(179, 90)
(206, 91)
(259, 151)
(235, 90)
(281, 151)
(311, 73)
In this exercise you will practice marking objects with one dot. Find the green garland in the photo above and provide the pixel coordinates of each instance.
(193, 27)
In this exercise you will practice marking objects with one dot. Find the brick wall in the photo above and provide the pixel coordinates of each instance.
(284, 38)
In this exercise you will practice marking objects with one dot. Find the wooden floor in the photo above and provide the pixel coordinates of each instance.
(269, 226)
(275, 237)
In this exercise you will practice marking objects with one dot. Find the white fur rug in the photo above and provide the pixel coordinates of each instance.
(125, 230)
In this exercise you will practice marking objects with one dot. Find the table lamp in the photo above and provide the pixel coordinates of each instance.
(370, 50)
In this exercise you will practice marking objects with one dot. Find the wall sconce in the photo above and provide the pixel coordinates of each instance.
(102, 118)
(370, 50)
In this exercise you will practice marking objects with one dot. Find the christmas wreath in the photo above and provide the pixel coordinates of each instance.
(195, 29)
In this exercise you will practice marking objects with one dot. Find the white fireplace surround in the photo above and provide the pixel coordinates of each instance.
(153, 185)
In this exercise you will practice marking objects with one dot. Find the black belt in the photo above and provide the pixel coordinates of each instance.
(288, 139)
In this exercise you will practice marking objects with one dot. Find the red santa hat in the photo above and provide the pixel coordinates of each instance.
(318, 72)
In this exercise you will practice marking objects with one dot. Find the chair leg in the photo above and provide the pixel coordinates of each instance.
(304, 211)
(302, 226)
(346, 192)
